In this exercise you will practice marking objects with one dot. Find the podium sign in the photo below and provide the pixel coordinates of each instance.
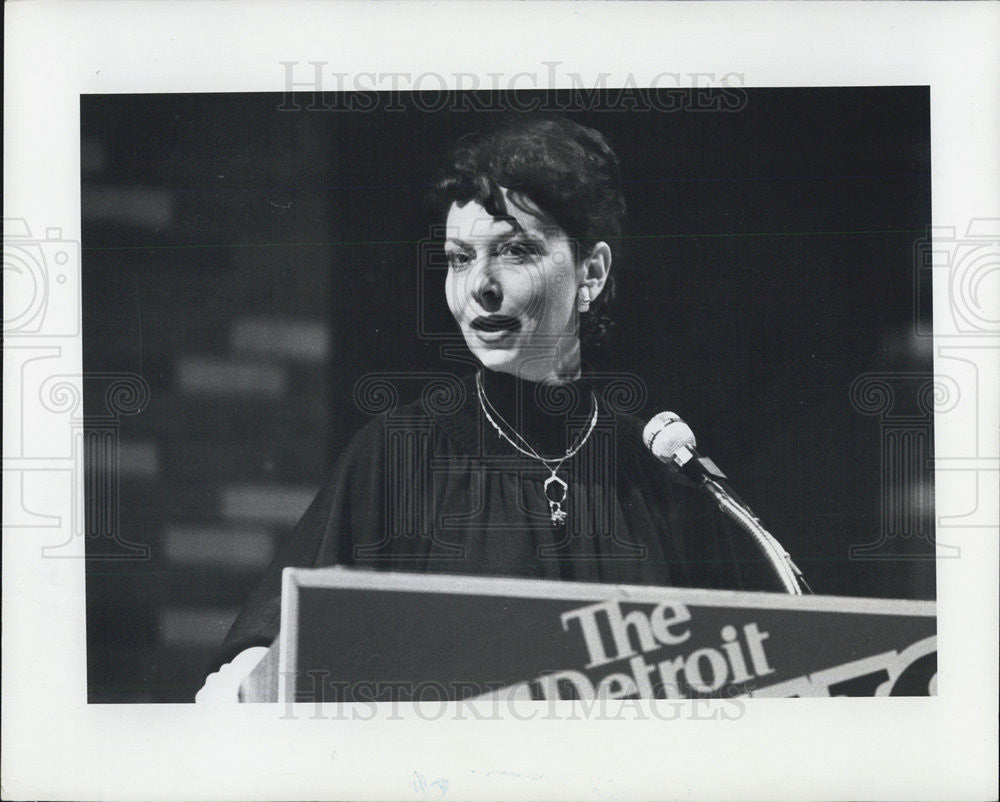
(364, 636)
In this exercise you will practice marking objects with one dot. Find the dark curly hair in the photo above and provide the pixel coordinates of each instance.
(568, 170)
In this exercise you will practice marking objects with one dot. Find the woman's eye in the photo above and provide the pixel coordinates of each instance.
(518, 251)
(457, 260)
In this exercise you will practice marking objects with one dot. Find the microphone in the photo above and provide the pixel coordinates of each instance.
(673, 443)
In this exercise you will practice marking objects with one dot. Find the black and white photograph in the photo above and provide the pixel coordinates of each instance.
(449, 318)
(385, 395)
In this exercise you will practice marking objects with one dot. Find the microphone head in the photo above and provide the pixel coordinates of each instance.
(666, 434)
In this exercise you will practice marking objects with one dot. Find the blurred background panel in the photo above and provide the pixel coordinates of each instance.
(209, 269)
(250, 261)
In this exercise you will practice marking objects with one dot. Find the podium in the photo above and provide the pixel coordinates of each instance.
(364, 636)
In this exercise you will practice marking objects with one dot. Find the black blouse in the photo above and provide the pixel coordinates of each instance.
(431, 487)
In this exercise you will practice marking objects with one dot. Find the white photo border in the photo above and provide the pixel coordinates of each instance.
(56, 746)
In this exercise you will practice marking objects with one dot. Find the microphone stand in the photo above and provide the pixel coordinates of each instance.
(781, 561)
(788, 572)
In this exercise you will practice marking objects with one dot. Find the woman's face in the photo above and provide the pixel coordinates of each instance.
(512, 288)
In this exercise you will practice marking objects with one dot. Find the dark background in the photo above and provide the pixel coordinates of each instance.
(250, 257)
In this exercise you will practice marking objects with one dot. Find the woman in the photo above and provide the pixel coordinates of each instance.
(532, 465)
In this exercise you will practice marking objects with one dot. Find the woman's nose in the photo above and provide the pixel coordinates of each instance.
(487, 291)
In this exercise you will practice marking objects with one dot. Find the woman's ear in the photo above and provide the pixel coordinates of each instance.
(595, 268)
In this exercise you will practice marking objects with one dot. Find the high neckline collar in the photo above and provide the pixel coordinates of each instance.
(547, 415)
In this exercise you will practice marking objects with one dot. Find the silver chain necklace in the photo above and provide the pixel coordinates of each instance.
(555, 489)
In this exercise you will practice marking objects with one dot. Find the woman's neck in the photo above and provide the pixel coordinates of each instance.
(546, 414)
(557, 366)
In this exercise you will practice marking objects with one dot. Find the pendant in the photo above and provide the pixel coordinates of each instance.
(555, 504)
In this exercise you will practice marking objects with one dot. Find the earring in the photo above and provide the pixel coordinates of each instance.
(583, 299)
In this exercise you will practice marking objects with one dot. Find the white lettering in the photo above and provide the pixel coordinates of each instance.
(668, 676)
(692, 670)
(616, 686)
(549, 684)
(661, 623)
(642, 672)
(731, 647)
(587, 616)
(754, 640)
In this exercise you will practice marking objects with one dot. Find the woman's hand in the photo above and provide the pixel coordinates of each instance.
(223, 686)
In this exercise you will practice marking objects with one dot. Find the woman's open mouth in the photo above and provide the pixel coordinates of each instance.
(496, 323)
(494, 327)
